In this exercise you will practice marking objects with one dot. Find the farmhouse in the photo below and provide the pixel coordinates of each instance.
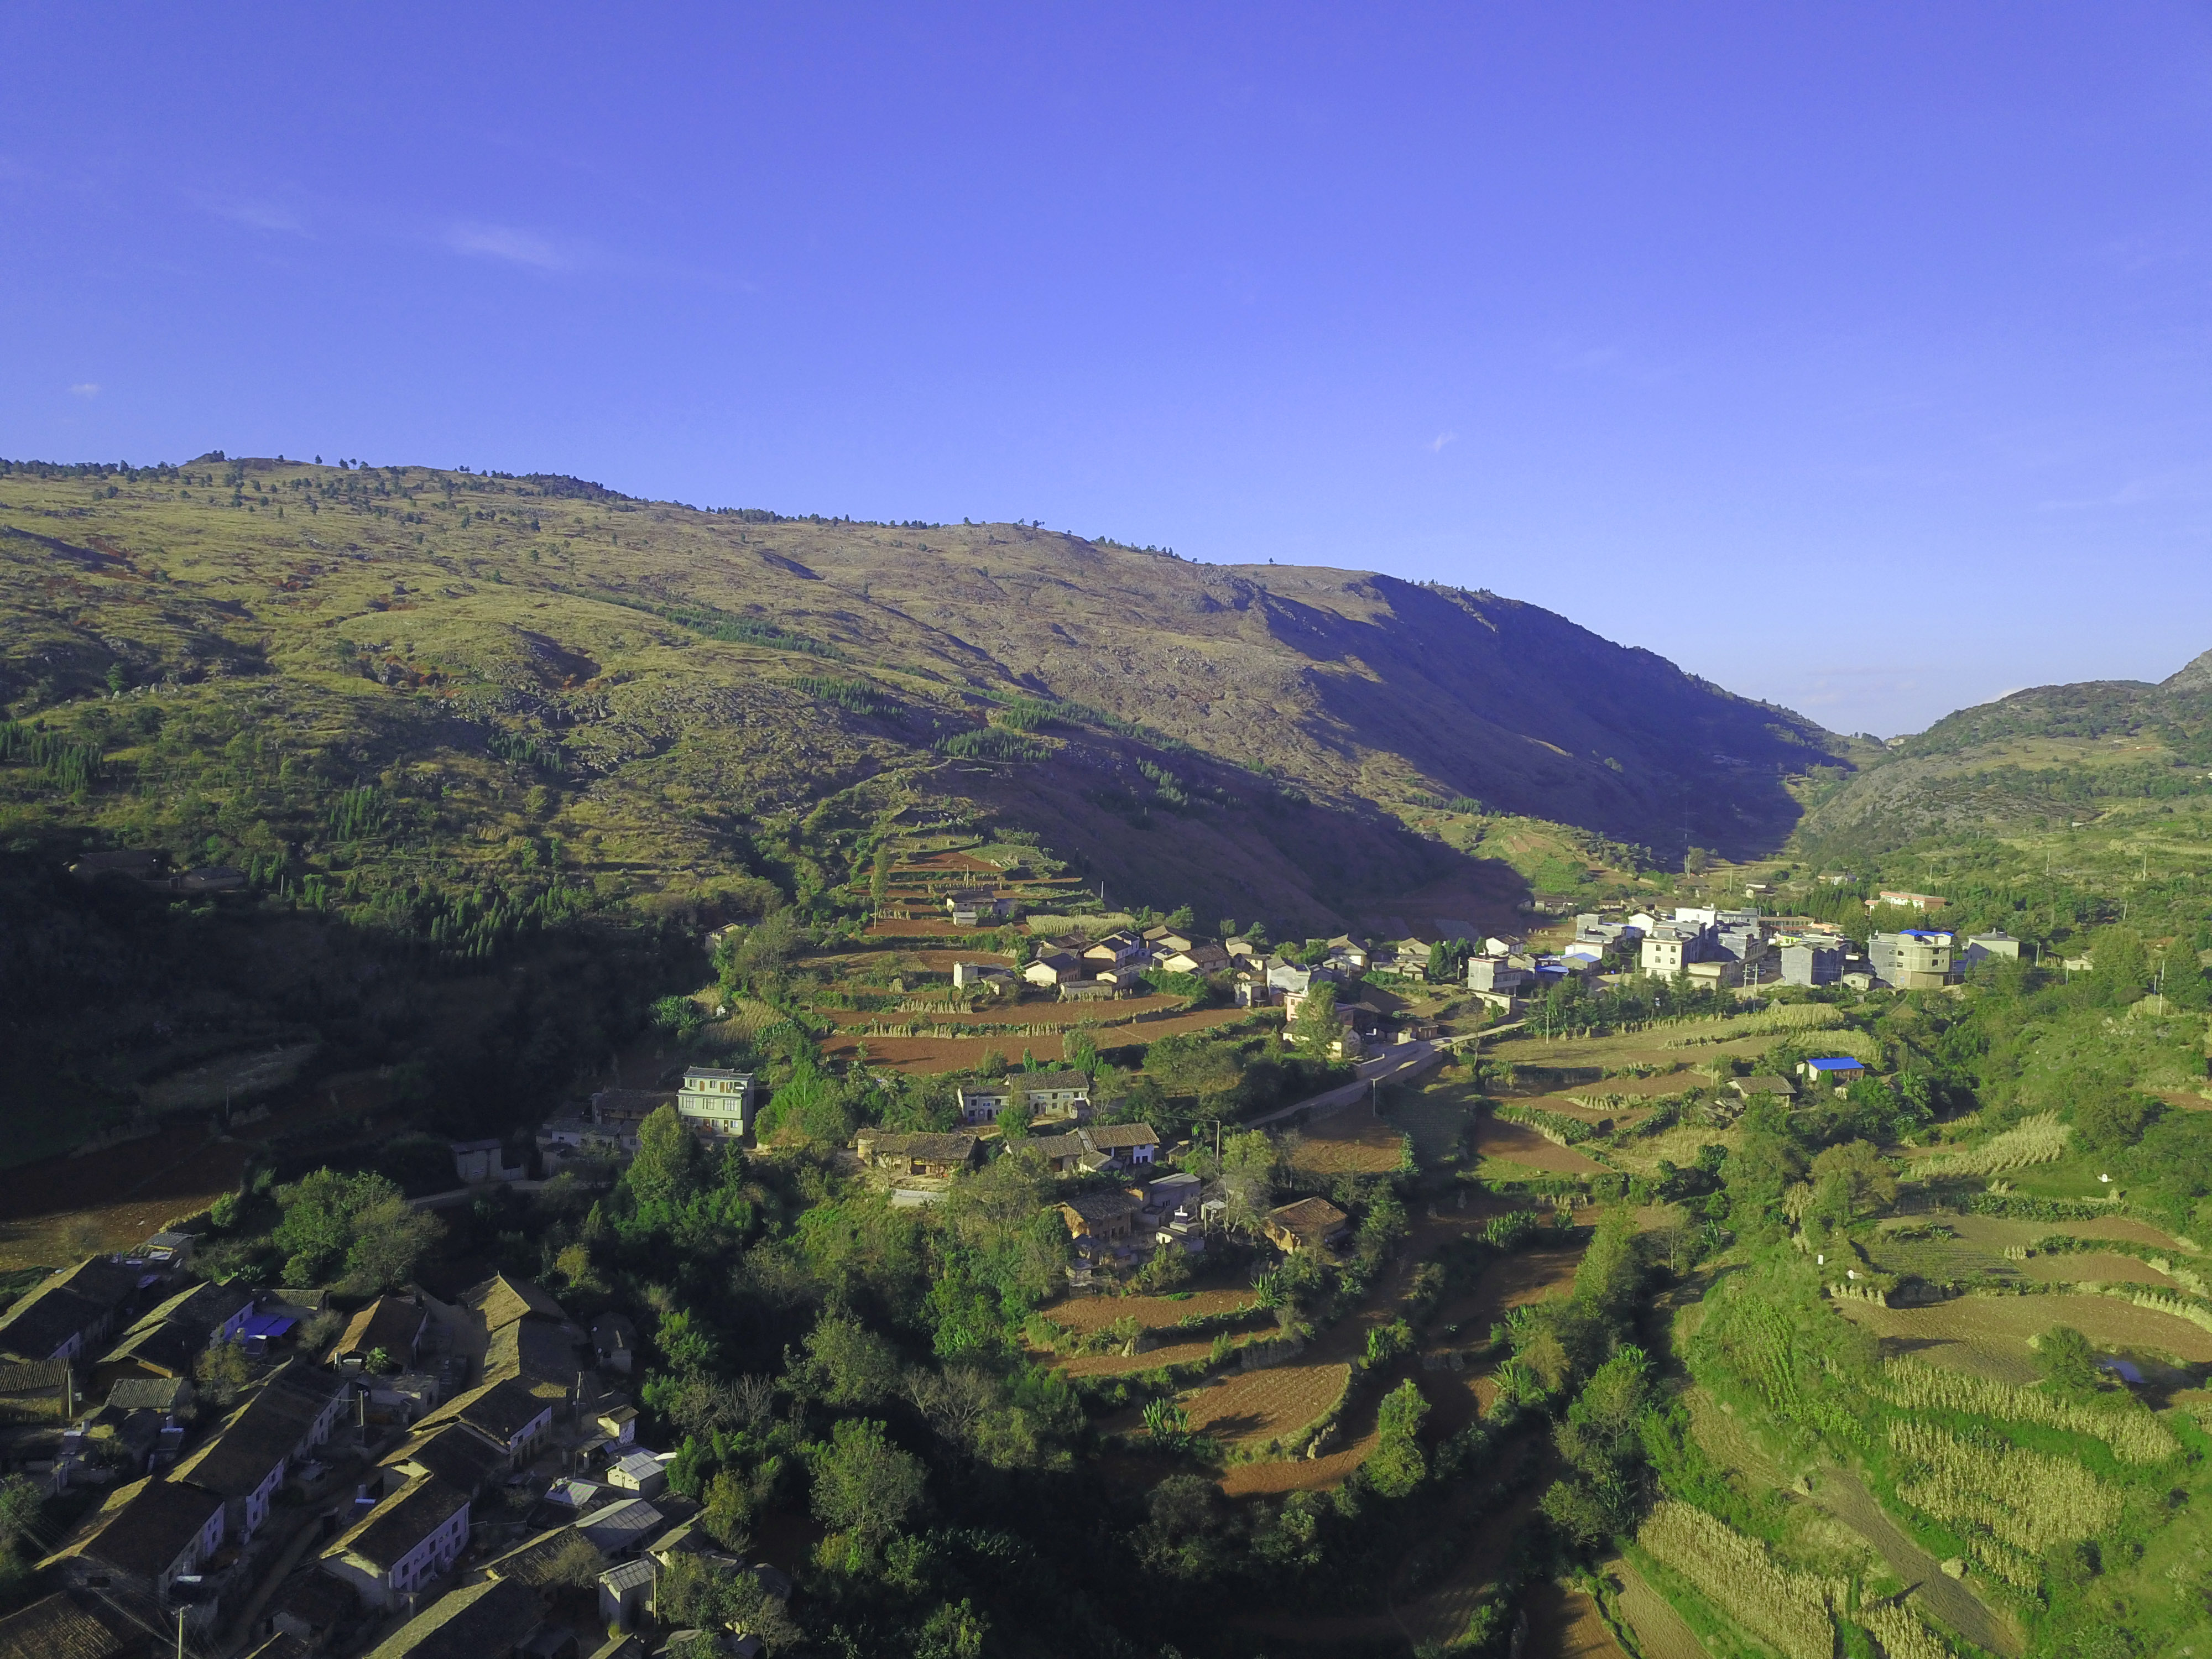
(641, 1473)
(65, 1627)
(245, 1461)
(940, 1155)
(1106, 1217)
(1049, 1094)
(1766, 1083)
(165, 1339)
(491, 1620)
(478, 1162)
(1091, 1148)
(509, 1412)
(409, 1539)
(145, 1537)
(391, 1325)
(1057, 969)
(1834, 1069)
(1312, 1224)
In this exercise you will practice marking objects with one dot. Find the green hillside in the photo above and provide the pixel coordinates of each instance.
(2036, 760)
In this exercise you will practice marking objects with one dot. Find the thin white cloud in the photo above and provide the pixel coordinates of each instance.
(255, 214)
(1436, 444)
(85, 389)
(521, 247)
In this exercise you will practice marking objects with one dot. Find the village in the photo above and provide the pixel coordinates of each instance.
(419, 1478)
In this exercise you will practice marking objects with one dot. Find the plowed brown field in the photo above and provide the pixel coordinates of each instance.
(1988, 1334)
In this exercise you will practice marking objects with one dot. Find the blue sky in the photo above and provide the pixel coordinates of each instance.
(1856, 357)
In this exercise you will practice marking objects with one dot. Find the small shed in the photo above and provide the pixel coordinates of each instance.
(625, 1591)
(641, 1473)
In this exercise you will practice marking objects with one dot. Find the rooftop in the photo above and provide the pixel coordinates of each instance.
(144, 1527)
(490, 1618)
(385, 1536)
(503, 1300)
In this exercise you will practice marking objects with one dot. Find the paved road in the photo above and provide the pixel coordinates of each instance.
(1396, 1064)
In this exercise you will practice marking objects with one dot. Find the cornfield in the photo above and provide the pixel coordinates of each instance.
(2025, 1499)
(1902, 1635)
(2134, 1435)
(1555, 1126)
(1793, 1612)
(2039, 1140)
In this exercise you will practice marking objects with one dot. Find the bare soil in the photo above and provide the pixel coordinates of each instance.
(1950, 1601)
(1660, 1631)
(54, 1211)
(1516, 1143)
(1987, 1335)
(1248, 1406)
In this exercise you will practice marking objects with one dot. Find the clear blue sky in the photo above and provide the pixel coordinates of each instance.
(1855, 356)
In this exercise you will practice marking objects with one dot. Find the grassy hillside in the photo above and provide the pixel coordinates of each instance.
(674, 674)
(2038, 760)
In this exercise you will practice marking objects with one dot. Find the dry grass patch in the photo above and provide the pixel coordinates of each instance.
(1351, 1142)
(1153, 1313)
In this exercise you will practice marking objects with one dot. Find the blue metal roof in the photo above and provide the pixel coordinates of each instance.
(1838, 1063)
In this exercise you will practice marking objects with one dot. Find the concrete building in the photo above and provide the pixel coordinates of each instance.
(1913, 960)
(1809, 964)
(1988, 947)
(715, 1102)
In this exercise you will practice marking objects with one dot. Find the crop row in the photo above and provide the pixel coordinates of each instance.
(2039, 1140)
(1794, 1612)
(2134, 1435)
(2025, 1499)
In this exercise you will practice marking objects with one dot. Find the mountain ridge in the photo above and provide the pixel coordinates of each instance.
(540, 604)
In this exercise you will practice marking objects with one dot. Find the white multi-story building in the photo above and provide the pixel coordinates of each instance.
(716, 1103)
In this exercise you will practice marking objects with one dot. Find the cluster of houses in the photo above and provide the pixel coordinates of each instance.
(1717, 948)
(715, 1104)
(360, 1499)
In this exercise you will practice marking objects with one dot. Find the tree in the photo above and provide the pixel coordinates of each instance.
(865, 1486)
(221, 1371)
(729, 1511)
(1396, 1466)
(2064, 1356)
(1191, 1066)
(847, 1364)
(2183, 981)
(324, 1215)
(2111, 1117)
(667, 1168)
(1082, 1052)
(1247, 1173)
(1014, 1118)
(1316, 1030)
(391, 1238)
(1851, 1180)
(22, 1505)
(2122, 969)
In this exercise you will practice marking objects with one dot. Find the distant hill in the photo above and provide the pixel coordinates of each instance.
(2038, 759)
(680, 676)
